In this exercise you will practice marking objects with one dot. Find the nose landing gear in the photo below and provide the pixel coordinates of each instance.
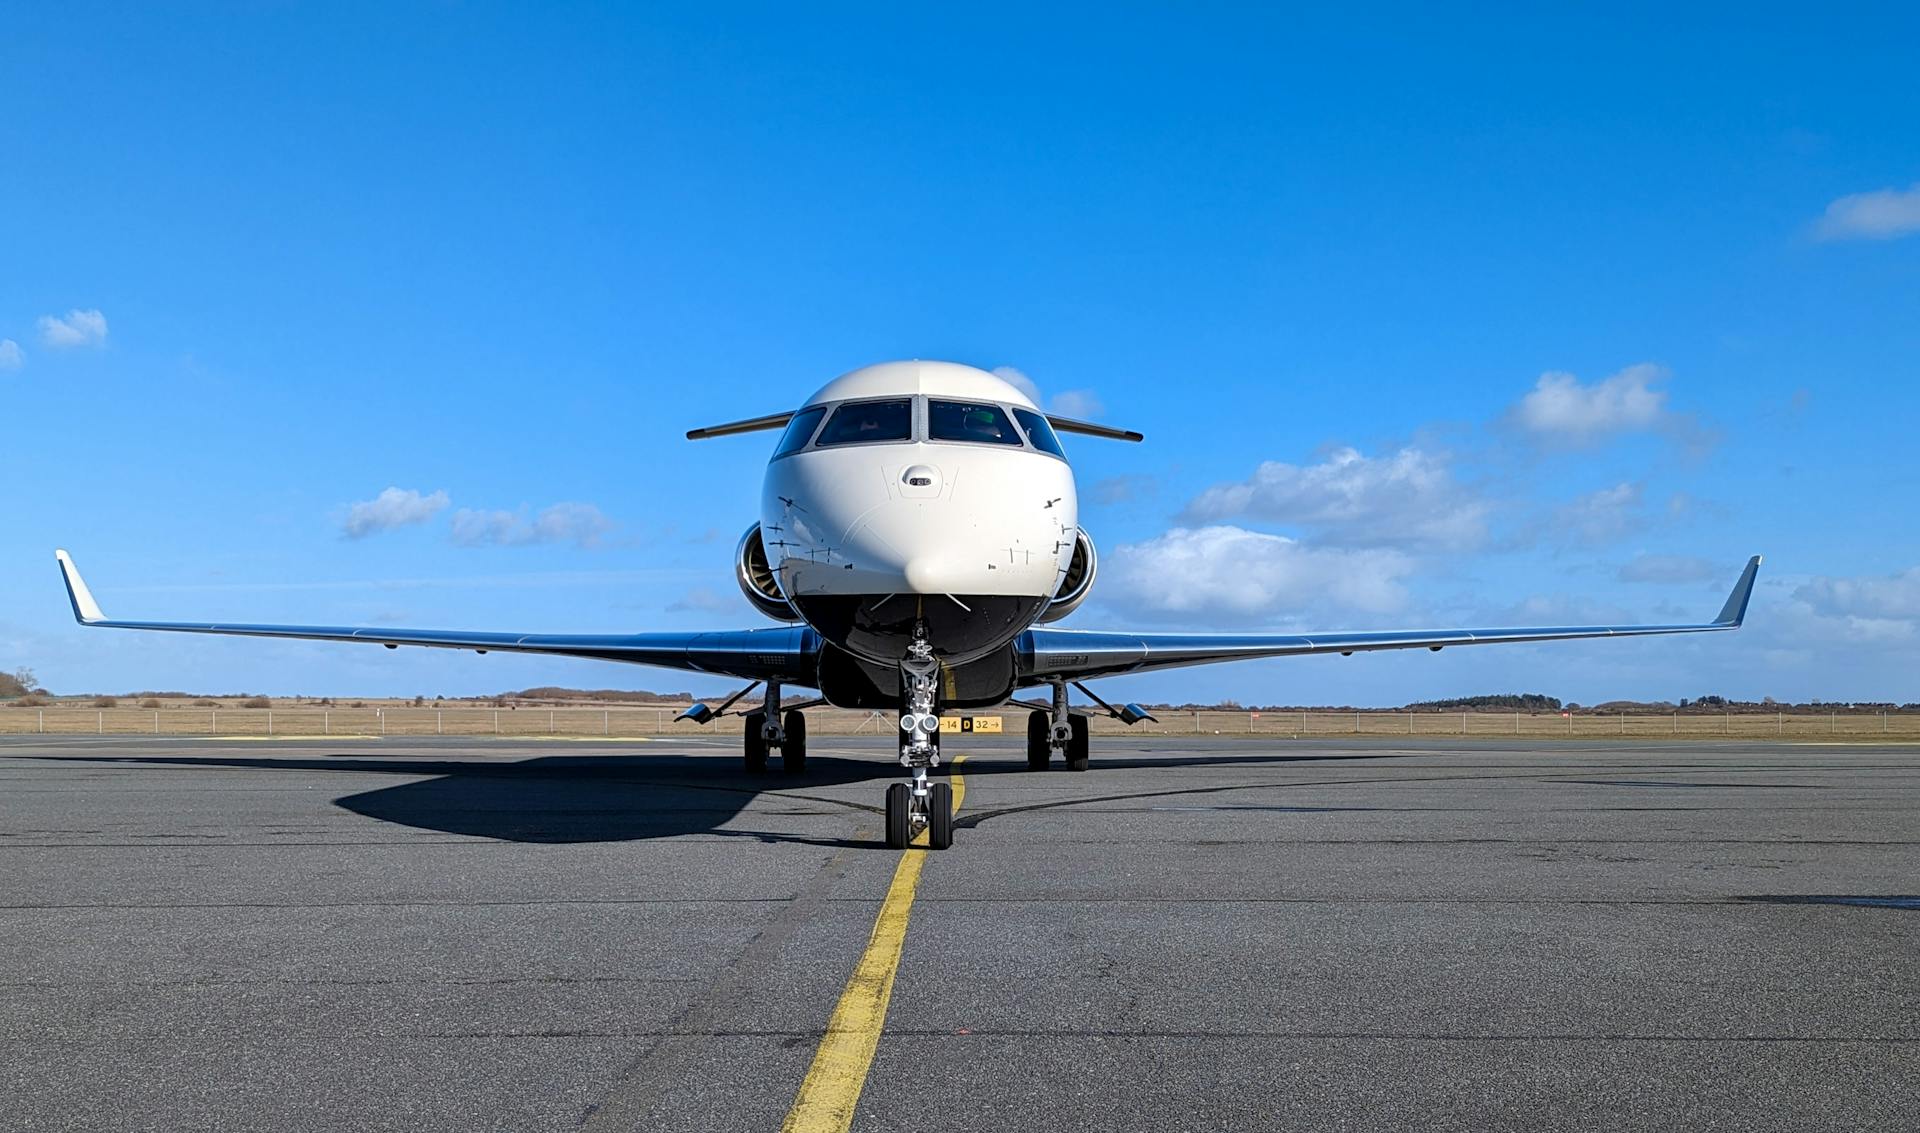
(919, 804)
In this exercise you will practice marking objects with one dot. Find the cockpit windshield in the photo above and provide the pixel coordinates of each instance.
(799, 431)
(969, 421)
(859, 422)
(1039, 433)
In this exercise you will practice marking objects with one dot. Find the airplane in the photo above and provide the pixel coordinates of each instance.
(919, 534)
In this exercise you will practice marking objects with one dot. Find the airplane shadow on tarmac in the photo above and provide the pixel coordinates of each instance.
(566, 799)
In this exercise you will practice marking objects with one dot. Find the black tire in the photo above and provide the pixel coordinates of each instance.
(754, 742)
(899, 829)
(1039, 741)
(940, 816)
(793, 752)
(1077, 744)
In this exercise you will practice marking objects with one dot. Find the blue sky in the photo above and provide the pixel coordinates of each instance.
(1429, 322)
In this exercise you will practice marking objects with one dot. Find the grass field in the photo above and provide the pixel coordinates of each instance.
(403, 718)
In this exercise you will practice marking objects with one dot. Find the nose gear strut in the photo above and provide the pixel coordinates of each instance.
(920, 804)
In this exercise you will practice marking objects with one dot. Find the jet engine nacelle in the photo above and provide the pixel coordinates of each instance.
(757, 581)
(1078, 583)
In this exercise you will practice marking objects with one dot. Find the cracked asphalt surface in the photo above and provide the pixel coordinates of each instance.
(427, 934)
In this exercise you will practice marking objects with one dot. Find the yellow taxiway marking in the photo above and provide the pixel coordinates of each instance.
(839, 1071)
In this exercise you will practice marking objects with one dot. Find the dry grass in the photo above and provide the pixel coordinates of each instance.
(257, 716)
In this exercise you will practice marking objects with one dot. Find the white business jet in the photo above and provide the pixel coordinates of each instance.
(918, 531)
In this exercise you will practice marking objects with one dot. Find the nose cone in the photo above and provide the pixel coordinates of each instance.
(931, 574)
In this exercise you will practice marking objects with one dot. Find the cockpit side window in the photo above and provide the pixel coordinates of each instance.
(978, 422)
(861, 422)
(1039, 433)
(799, 431)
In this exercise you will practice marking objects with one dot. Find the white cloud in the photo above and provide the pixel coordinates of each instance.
(580, 524)
(705, 600)
(1887, 597)
(1880, 215)
(1230, 573)
(1560, 405)
(11, 356)
(1123, 489)
(79, 328)
(1078, 403)
(395, 507)
(1600, 517)
(1668, 568)
(1410, 497)
(1020, 381)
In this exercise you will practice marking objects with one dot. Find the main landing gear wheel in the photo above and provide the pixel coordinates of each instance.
(1039, 741)
(793, 752)
(940, 816)
(754, 741)
(899, 816)
(1077, 744)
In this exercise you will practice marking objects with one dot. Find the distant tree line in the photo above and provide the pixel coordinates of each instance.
(20, 682)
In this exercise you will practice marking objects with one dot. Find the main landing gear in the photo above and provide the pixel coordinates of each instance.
(1058, 732)
(767, 729)
(920, 804)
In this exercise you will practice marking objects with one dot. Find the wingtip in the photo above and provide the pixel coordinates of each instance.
(86, 611)
(1734, 613)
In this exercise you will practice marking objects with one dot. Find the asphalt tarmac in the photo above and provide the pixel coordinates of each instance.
(460, 935)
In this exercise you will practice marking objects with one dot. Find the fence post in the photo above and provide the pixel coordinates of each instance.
(100, 723)
(1833, 723)
(496, 721)
(326, 721)
(43, 721)
(382, 713)
(156, 721)
(438, 730)
(1463, 723)
(1780, 722)
(1516, 723)
(269, 721)
(216, 721)
(549, 721)
(606, 722)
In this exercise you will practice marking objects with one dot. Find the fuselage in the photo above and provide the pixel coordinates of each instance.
(919, 495)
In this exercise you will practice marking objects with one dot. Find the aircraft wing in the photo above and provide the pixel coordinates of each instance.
(786, 654)
(1046, 654)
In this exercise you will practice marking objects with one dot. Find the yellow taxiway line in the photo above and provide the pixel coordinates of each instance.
(839, 1071)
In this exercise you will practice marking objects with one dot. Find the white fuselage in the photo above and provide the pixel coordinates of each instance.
(926, 524)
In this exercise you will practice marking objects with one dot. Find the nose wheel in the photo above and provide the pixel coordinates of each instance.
(919, 804)
(908, 815)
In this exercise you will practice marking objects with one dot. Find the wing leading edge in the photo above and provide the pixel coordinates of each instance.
(787, 654)
(1079, 654)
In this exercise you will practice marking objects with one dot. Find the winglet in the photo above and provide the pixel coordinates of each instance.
(86, 611)
(1735, 611)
